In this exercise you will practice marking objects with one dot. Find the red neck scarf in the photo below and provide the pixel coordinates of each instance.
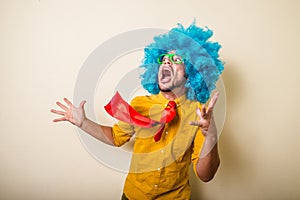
(121, 110)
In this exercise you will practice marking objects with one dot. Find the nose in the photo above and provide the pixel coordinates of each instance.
(167, 61)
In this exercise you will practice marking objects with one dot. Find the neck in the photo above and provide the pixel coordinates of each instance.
(172, 95)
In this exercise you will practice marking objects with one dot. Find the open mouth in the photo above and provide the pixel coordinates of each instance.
(166, 75)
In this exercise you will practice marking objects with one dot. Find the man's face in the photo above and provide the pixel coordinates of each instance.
(171, 74)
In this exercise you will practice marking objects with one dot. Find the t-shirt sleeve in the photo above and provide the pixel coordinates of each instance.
(122, 132)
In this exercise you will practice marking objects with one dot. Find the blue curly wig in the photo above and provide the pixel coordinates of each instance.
(202, 66)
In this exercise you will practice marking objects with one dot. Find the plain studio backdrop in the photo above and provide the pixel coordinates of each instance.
(45, 43)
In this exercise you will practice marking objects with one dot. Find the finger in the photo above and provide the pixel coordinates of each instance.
(60, 119)
(213, 100)
(57, 112)
(82, 104)
(203, 112)
(62, 106)
(194, 123)
(68, 102)
(198, 112)
(212, 103)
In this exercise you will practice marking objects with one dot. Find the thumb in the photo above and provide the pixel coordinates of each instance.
(82, 104)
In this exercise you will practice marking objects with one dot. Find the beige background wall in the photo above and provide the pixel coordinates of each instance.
(44, 43)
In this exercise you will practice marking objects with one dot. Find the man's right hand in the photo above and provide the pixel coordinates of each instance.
(75, 115)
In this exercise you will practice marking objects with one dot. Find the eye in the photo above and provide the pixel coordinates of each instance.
(177, 59)
(161, 58)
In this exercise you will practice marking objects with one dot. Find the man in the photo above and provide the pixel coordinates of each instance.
(181, 68)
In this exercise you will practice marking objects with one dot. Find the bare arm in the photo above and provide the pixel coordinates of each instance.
(209, 160)
(76, 116)
(102, 133)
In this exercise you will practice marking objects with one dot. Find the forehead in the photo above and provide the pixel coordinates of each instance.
(174, 52)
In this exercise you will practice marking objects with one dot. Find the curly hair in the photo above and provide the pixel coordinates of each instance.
(201, 59)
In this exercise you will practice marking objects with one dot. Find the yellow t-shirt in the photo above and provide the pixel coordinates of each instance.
(160, 170)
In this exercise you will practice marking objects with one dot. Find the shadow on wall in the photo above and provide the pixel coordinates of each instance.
(235, 169)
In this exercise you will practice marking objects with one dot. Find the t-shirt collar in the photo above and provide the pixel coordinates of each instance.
(179, 101)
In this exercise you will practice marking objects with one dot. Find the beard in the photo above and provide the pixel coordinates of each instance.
(165, 89)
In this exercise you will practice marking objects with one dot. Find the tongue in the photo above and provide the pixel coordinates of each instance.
(166, 76)
(165, 79)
